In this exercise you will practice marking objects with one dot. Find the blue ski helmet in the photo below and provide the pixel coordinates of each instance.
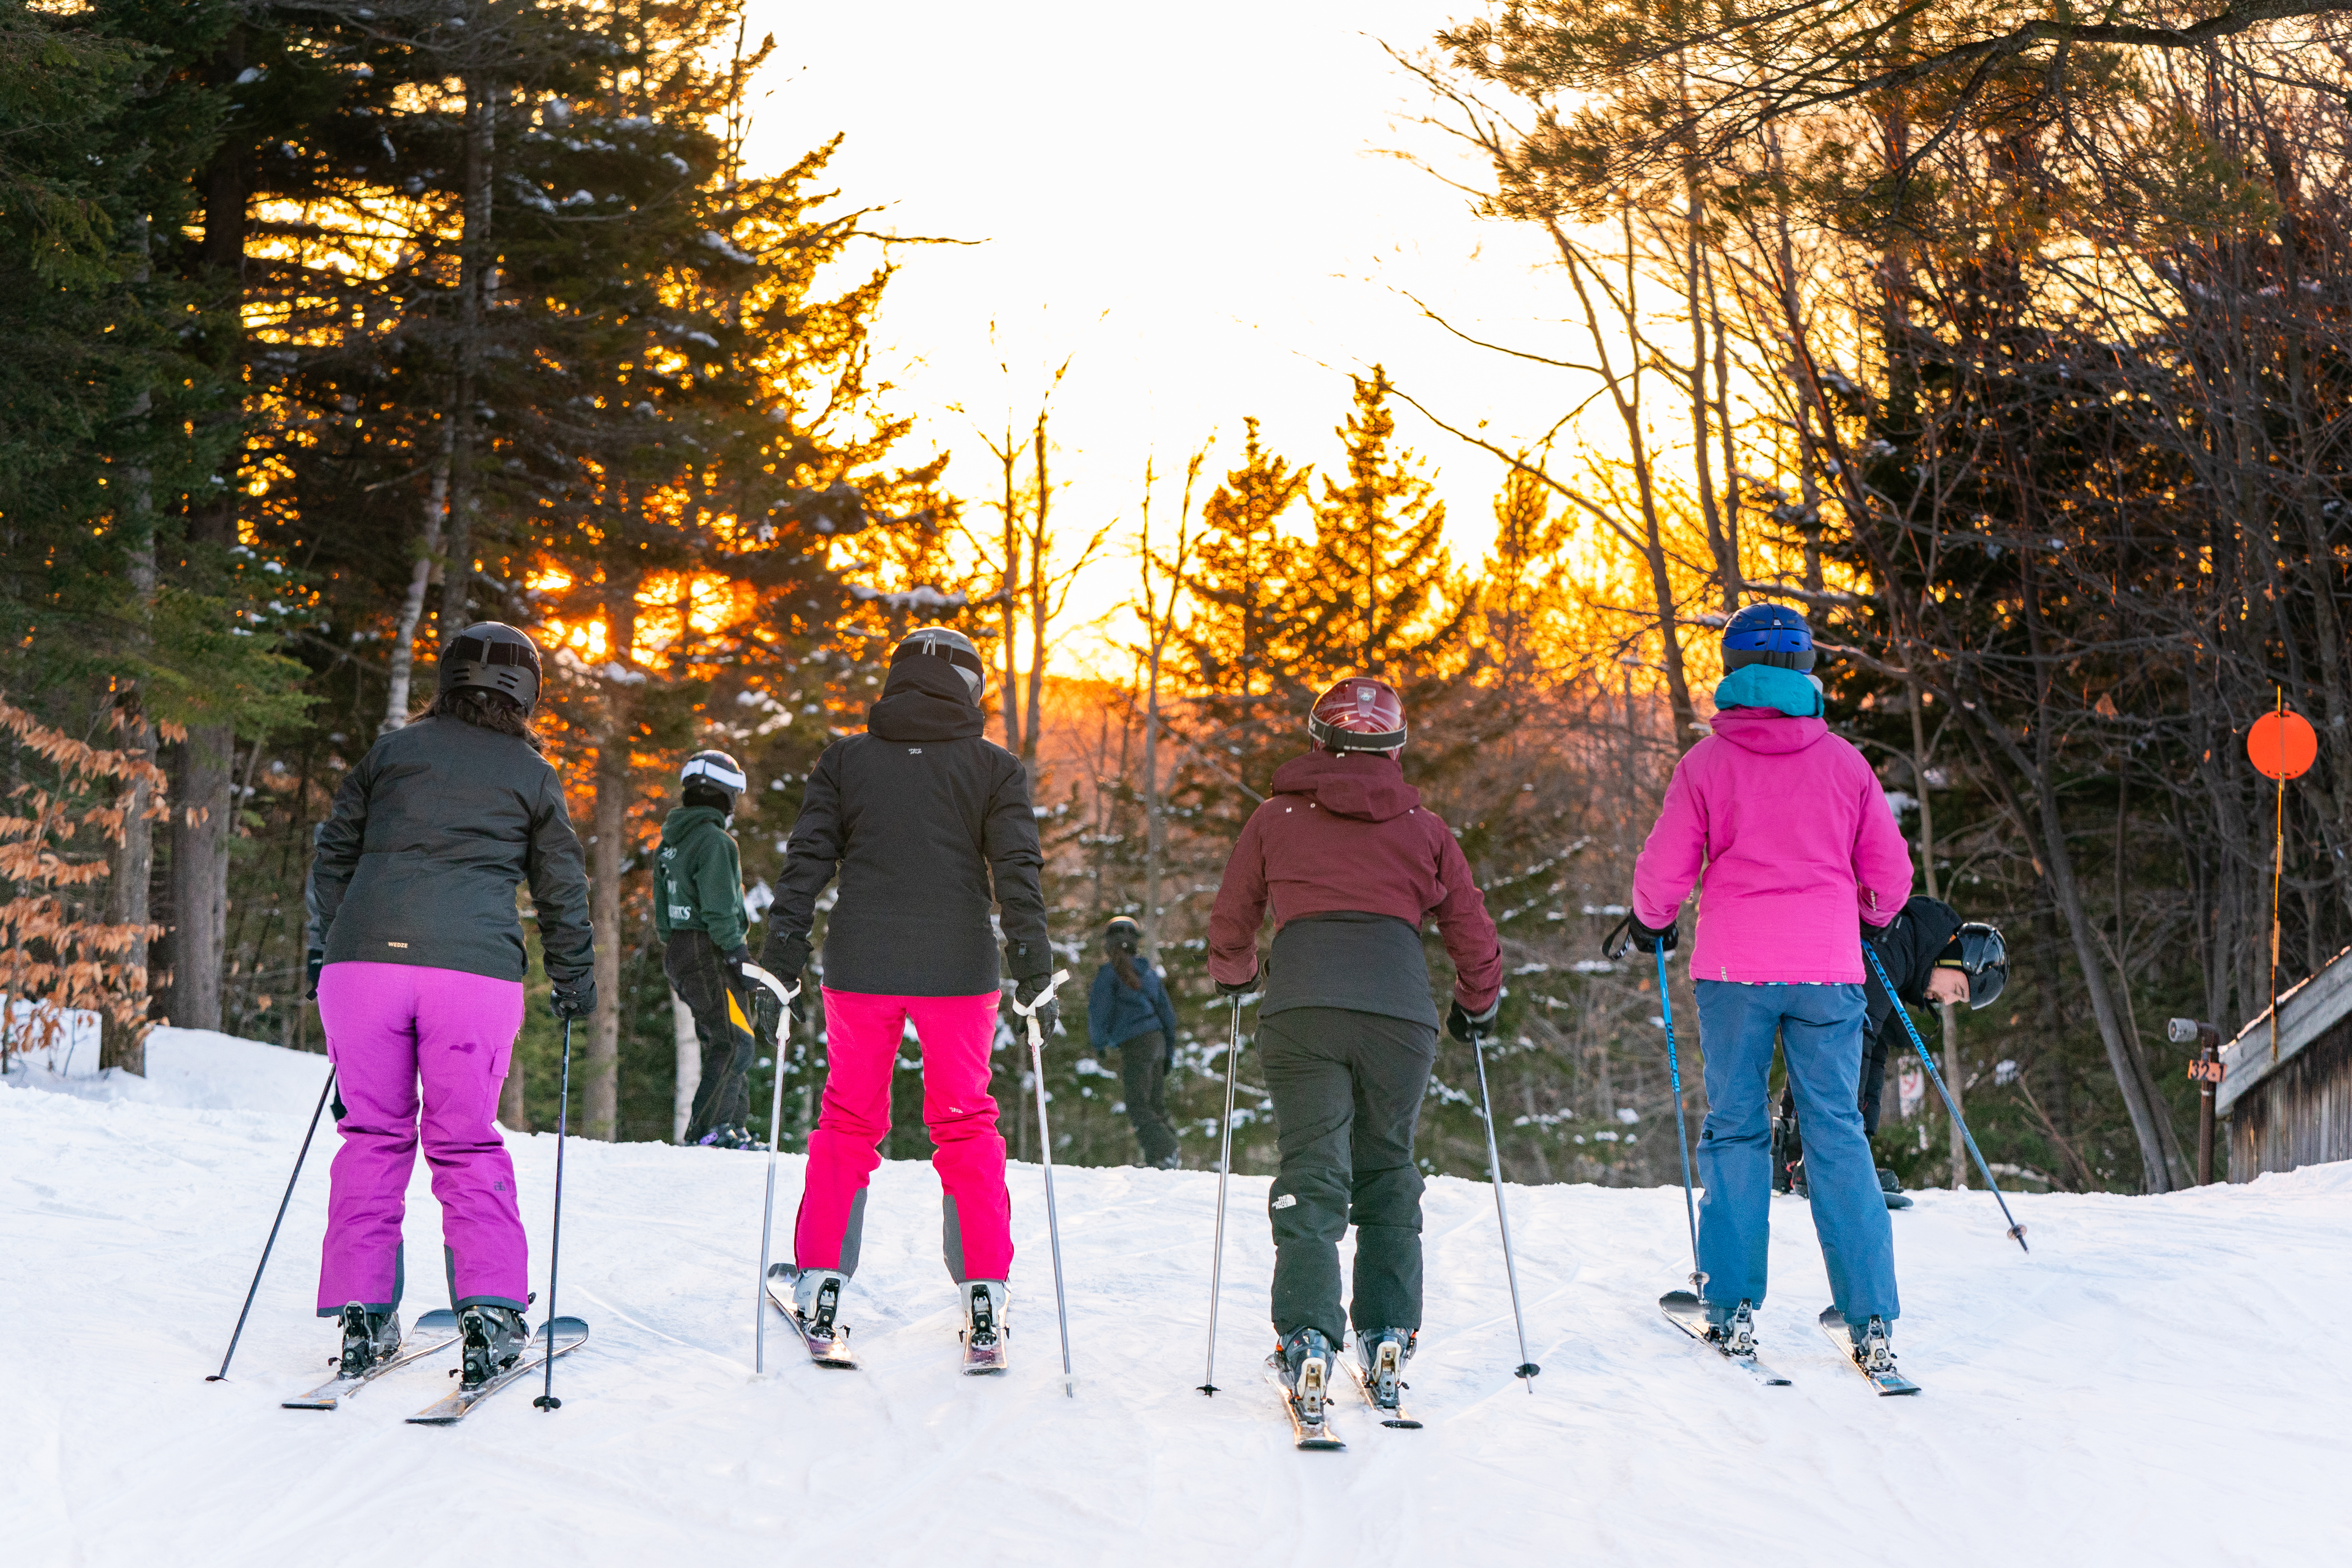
(1768, 634)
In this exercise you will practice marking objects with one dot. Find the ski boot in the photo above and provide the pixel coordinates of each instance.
(1891, 1185)
(1305, 1363)
(1873, 1347)
(1736, 1334)
(984, 1302)
(817, 1300)
(370, 1338)
(1383, 1353)
(493, 1337)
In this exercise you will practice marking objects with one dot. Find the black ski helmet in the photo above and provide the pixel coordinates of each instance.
(491, 655)
(1122, 935)
(1978, 952)
(1768, 634)
(713, 769)
(942, 642)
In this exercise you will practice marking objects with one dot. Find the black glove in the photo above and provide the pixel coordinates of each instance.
(1659, 941)
(785, 957)
(1460, 1020)
(1239, 988)
(1049, 1011)
(737, 957)
(313, 961)
(577, 1000)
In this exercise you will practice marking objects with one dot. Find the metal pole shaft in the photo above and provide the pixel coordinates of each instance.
(304, 1153)
(767, 1209)
(1527, 1368)
(547, 1400)
(1053, 1221)
(1681, 1127)
(2016, 1231)
(1224, 1170)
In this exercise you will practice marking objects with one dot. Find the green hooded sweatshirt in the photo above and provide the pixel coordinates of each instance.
(698, 879)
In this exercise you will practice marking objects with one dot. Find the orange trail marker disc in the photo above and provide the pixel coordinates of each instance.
(2282, 745)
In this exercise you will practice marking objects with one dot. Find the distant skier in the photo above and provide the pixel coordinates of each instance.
(699, 914)
(1129, 1008)
(1354, 867)
(928, 824)
(1935, 959)
(418, 960)
(1794, 838)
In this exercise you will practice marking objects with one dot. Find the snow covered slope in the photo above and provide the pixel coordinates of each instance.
(2145, 1388)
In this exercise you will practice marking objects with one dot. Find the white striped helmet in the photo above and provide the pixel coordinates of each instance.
(716, 769)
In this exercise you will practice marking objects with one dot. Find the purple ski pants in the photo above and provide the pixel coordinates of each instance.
(391, 1026)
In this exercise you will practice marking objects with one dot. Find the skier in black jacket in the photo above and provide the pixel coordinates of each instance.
(1921, 950)
(928, 824)
(417, 961)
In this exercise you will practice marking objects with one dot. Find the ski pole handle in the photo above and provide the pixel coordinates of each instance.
(1037, 1035)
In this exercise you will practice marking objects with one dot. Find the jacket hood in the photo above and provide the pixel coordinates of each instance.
(684, 819)
(1354, 783)
(1766, 730)
(1791, 692)
(925, 700)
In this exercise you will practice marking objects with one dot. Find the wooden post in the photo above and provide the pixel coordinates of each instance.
(2207, 1070)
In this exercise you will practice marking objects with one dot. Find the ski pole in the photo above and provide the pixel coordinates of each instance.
(1682, 1128)
(784, 997)
(1045, 1148)
(2016, 1231)
(1527, 1368)
(547, 1400)
(1225, 1169)
(300, 1156)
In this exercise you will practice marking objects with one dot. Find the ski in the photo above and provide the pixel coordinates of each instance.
(984, 1349)
(1887, 1380)
(571, 1333)
(826, 1350)
(436, 1330)
(1393, 1413)
(1688, 1313)
(1306, 1435)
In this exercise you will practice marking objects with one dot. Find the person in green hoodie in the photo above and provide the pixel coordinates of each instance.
(698, 913)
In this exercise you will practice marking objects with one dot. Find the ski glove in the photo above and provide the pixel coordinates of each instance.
(1460, 1020)
(737, 957)
(313, 961)
(1663, 939)
(1049, 1011)
(577, 1000)
(1241, 989)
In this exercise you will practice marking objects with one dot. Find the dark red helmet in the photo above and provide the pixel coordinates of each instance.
(1360, 714)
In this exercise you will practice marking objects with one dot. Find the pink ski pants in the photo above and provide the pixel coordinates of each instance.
(862, 1035)
(391, 1026)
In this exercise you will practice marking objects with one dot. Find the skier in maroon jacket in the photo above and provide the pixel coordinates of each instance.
(1354, 866)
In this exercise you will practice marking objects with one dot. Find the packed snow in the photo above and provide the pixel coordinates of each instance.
(2145, 1388)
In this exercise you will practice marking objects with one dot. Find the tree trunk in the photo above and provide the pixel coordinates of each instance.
(601, 1101)
(199, 874)
(130, 875)
(420, 577)
(478, 279)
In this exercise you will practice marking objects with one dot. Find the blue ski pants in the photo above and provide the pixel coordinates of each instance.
(1820, 1031)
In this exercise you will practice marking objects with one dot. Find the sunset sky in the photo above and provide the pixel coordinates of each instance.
(1196, 205)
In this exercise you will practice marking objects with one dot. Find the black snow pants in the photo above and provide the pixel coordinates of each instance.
(697, 972)
(1143, 1074)
(1347, 1090)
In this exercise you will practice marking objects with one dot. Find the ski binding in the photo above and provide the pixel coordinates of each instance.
(1309, 1432)
(436, 1330)
(827, 1340)
(1735, 1341)
(1384, 1389)
(1874, 1362)
(569, 1334)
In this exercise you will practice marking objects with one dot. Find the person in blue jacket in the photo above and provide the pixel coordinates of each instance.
(1129, 1008)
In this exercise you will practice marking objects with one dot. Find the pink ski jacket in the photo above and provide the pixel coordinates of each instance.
(1783, 827)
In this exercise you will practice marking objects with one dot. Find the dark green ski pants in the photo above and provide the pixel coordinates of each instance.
(1347, 1090)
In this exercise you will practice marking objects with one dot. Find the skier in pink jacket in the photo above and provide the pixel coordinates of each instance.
(1784, 828)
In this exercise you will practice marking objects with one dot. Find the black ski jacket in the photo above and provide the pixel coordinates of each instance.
(1907, 946)
(928, 824)
(429, 837)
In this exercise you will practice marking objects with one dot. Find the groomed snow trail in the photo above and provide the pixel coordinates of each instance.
(2151, 1386)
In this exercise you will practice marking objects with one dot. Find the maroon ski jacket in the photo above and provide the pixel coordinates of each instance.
(1347, 833)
